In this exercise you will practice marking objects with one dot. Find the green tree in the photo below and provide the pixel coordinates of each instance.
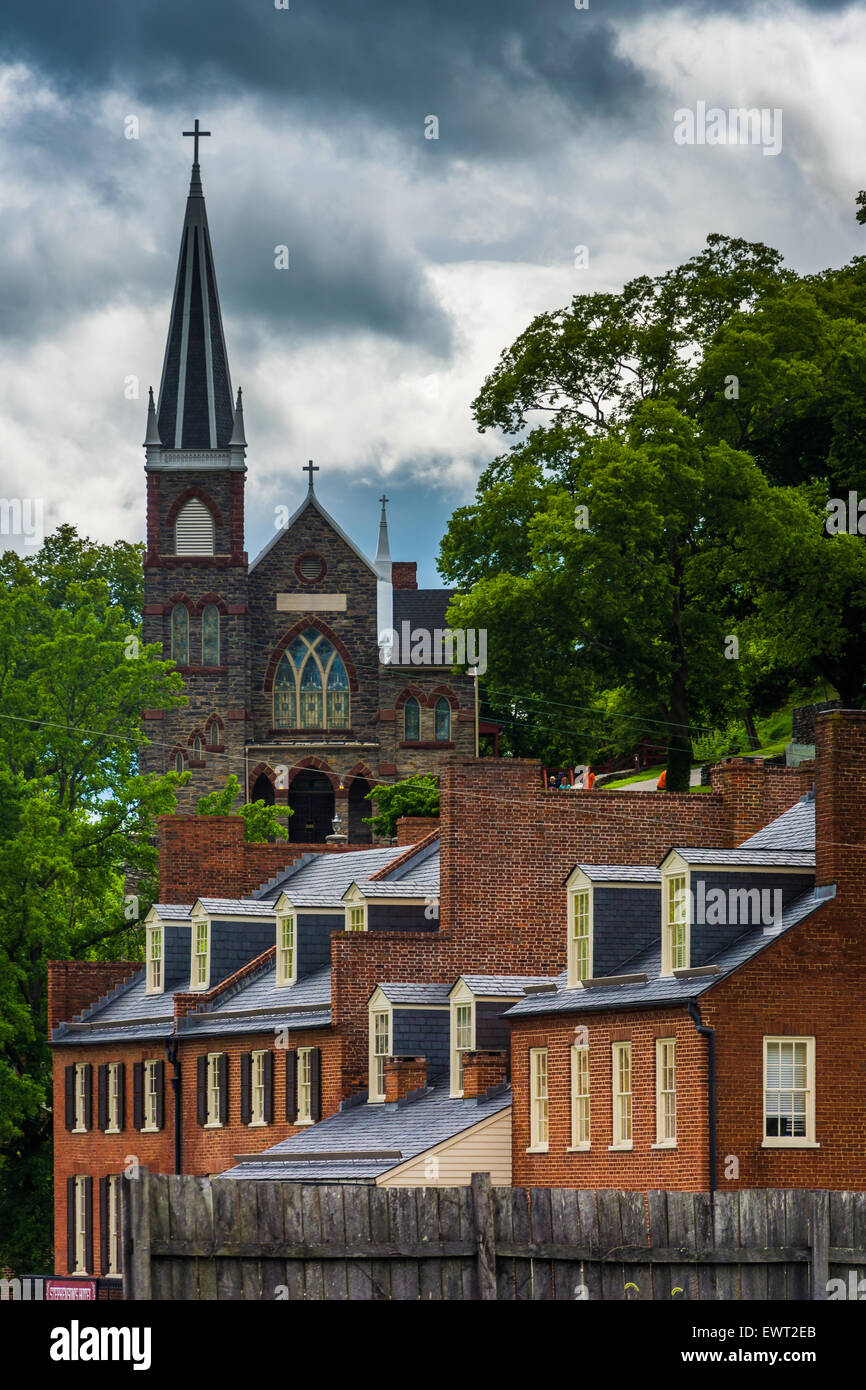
(77, 862)
(414, 796)
(261, 822)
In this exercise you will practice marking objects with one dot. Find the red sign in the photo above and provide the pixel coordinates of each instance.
(61, 1290)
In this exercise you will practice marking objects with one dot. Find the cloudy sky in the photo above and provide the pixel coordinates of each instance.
(413, 261)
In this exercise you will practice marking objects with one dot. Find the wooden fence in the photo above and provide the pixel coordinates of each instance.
(192, 1238)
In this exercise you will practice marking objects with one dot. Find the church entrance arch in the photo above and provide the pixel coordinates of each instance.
(359, 833)
(263, 790)
(311, 798)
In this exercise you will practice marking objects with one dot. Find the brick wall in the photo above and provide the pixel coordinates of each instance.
(411, 829)
(73, 985)
(207, 856)
(840, 799)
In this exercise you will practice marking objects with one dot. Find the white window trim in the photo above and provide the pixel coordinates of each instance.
(378, 1006)
(304, 1116)
(578, 1146)
(80, 1099)
(155, 965)
(213, 1089)
(195, 984)
(150, 1070)
(354, 907)
(808, 1141)
(285, 979)
(660, 1141)
(80, 1219)
(536, 1144)
(114, 1234)
(112, 1074)
(667, 953)
(619, 1144)
(461, 999)
(257, 1088)
(574, 978)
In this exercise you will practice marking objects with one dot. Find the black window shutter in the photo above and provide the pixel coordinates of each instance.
(223, 1074)
(201, 1091)
(269, 1088)
(315, 1083)
(138, 1094)
(88, 1096)
(70, 1097)
(291, 1087)
(246, 1077)
(160, 1094)
(102, 1097)
(70, 1224)
(88, 1224)
(103, 1224)
(121, 1095)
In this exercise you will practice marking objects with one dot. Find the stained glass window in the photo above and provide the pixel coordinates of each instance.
(411, 720)
(180, 635)
(311, 686)
(442, 720)
(210, 636)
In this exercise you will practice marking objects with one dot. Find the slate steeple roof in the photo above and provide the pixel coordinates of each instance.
(195, 397)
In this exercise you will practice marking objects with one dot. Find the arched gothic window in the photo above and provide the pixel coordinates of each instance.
(210, 636)
(194, 529)
(442, 720)
(412, 720)
(178, 764)
(180, 635)
(196, 749)
(311, 687)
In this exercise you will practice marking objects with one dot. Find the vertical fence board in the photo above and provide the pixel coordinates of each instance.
(726, 1230)
(797, 1232)
(819, 1214)
(565, 1225)
(404, 1231)
(841, 1230)
(634, 1232)
(380, 1270)
(753, 1234)
(249, 1231)
(504, 1231)
(705, 1283)
(269, 1200)
(541, 1233)
(430, 1271)
(681, 1232)
(227, 1197)
(613, 1275)
(334, 1272)
(293, 1223)
(591, 1272)
(314, 1284)
(657, 1207)
(468, 1265)
(357, 1214)
(520, 1235)
(776, 1235)
(449, 1229)
(160, 1227)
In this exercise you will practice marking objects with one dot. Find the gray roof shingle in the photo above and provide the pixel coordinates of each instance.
(621, 873)
(321, 881)
(415, 993)
(793, 830)
(749, 858)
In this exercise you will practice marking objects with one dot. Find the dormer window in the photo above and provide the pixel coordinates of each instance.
(579, 936)
(462, 1035)
(356, 917)
(200, 955)
(154, 983)
(286, 961)
(380, 1049)
(675, 923)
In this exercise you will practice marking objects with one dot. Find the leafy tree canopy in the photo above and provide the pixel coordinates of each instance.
(414, 796)
(261, 822)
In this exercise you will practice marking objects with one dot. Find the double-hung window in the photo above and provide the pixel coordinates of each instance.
(257, 1088)
(81, 1232)
(286, 951)
(113, 1239)
(789, 1093)
(81, 1097)
(580, 1102)
(305, 1085)
(580, 942)
(538, 1114)
(666, 1092)
(200, 960)
(151, 1094)
(213, 1088)
(463, 1042)
(622, 1114)
(380, 1048)
(675, 941)
(356, 918)
(112, 1082)
(154, 960)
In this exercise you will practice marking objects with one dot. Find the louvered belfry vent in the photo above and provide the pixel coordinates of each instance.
(194, 529)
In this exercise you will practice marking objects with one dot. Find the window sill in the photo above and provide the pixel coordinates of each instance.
(257, 1124)
(426, 743)
(79, 1129)
(665, 1144)
(149, 1129)
(790, 1144)
(538, 1149)
(213, 1124)
(578, 1149)
(113, 1129)
(304, 1122)
(620, 1148)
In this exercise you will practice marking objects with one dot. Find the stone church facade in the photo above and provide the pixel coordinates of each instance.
(287, 685)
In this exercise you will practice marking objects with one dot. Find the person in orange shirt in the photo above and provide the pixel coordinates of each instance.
(589, 781)
(662, 782)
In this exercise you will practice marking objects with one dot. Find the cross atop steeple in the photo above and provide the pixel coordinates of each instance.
(195, 134)
(383, 500)
(311, 468)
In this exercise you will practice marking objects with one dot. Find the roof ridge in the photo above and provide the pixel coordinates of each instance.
(401, 859)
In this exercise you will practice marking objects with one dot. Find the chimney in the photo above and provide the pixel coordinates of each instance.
(404, 1075)
(482, 1071)
(73, 985)
(404, 574)
(840, 799)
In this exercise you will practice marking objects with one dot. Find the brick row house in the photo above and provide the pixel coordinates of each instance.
(519, 990)
(313, 672)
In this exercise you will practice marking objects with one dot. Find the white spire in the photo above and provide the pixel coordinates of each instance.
(383, 551)
(152, 435)
(238, 438)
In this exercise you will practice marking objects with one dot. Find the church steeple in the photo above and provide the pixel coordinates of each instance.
(195, 408)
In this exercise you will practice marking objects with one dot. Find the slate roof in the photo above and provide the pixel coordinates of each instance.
(173, 912)
(415, 993)
(667, 989)
(621, 873)
(408, 1129)
(749, 858)
(384, 888)
(126, 1013)
(793, 830)
(236, 907)
(322, 880)
(507, 986)
(421, 607)
(212, 1025)
(264, 993)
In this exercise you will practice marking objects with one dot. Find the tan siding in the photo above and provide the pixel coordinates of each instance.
(486, 1148)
